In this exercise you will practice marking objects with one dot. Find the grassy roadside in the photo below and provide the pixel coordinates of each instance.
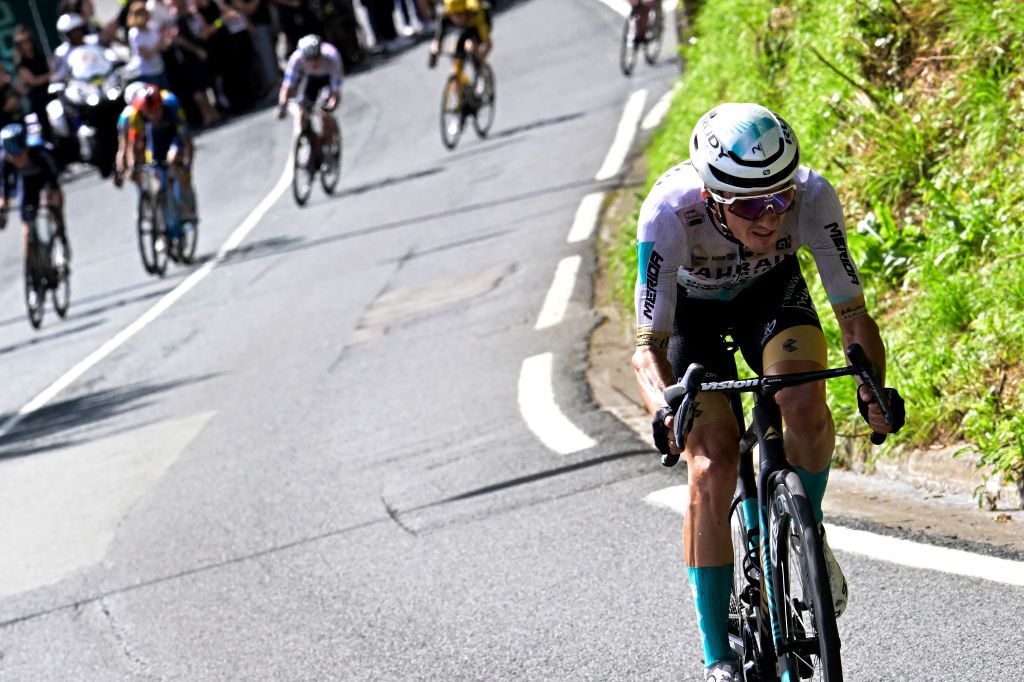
(914, 109)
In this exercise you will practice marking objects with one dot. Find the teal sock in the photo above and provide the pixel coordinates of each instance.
(814, 486)
(710, 586)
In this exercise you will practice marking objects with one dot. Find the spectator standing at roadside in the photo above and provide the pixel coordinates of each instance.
(297, 19)
(10, 103)
(186, 62)
(146, 44)
(382, 22)
(33, 74)
(261, 32)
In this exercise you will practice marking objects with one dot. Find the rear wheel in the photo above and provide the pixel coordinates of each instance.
(304, 164)
(186, 242)
(627, 50)
(484, 91)
(452, 115)
(655, 33)
(800, 586)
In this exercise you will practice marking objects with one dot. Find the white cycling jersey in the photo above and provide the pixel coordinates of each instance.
(676, 235)
(328, 65)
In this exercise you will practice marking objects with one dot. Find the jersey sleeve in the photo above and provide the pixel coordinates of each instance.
(824, 232)
(334, 59)
(291, 70)
(660, 242)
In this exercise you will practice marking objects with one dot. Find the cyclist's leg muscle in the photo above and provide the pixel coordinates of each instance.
(712, 457)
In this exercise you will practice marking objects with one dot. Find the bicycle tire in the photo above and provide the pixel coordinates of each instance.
(151, 236)
(187, 241)
(35, 282)
(303, 164)
(483, 119)
(743, 602)
(810, 637)
(628, 47)
(59, 260)
(331, 174)
(453, 117)
(655, 34)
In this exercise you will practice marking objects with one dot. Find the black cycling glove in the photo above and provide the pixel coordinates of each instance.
(660, 431)
(896, 407)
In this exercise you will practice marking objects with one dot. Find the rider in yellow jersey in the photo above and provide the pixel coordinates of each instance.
(473, 19)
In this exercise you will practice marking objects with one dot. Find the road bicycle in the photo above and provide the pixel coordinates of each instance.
(651, 39)
(782, 623)
(464, 97)
(47, 265)
(164, 232)
(310, 158)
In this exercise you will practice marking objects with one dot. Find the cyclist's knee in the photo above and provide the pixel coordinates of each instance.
(712, 455)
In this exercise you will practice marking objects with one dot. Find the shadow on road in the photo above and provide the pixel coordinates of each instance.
(541, 123)
(44, 338)
(388, 182)
(91, 409)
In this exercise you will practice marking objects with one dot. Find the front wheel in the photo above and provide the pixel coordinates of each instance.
(800, 586)
(304, 165)
(331, 172)
(152, 235)
(453, 116)
(60, 267)
(484, 92)
(744, 598)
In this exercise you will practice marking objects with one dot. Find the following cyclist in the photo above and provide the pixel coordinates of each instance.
(168, 139)
(30, 167)
(473, 19)
(320, 64)
(717, 241)
(642, 10)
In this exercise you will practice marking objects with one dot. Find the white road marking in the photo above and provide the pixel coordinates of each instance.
(657, 113)
(541, 413)
(160, 307)
(61, 508)
(616, 157)
(557, 300)
(886, 548)
(586, 218)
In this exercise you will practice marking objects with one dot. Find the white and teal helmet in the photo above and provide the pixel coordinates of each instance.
(743, 148)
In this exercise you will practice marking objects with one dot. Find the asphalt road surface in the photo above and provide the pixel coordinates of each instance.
(313, 461)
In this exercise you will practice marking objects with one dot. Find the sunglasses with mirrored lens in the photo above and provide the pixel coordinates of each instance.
(752, 208)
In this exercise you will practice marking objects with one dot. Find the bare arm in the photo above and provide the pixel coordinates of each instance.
(863, 330)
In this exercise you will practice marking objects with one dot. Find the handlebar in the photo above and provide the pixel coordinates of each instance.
(682, 396)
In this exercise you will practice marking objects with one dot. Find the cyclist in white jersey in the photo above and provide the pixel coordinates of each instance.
(319, 64)
(716, 239)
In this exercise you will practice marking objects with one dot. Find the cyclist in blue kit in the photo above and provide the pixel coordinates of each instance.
(717, 241)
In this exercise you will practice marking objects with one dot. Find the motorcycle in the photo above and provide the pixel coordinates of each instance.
(84, 111)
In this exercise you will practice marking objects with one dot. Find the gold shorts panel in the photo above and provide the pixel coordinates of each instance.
(803, 342)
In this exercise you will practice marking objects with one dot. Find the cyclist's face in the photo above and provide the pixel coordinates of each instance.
(760, 234)
(18, 160)
(459, 19)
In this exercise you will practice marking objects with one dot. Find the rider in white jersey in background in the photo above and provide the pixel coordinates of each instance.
(716, 241)
(319, 63)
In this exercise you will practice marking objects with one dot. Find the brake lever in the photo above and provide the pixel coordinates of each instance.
(682, 396)
(865, 370)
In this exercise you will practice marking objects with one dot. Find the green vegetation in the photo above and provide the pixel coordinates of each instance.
(914, 110)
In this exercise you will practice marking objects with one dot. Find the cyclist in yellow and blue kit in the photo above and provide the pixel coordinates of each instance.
(168, 139)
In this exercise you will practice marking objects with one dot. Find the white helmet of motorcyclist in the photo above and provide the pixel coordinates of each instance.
(69, 22)
(131, 90)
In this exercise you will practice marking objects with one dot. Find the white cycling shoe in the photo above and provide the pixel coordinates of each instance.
(836, 579)
(723, 671)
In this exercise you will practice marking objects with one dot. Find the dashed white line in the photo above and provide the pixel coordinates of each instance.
(557, 300)
(657, 113)
(161, 306)
(540, 411)
(586, 218)
(889, 549)
(616, 157)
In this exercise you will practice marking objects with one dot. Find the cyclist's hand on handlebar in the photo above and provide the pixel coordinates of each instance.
(872, 414)
(282, 111)
(663, 431)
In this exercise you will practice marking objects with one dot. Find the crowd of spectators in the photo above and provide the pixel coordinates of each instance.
(219, 56)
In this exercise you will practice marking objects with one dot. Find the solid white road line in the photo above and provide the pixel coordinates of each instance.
(886, 548)
(623, 136)
(657, 113)
(160, 307)
(541, 413)
(586, 218)
(557, 300)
